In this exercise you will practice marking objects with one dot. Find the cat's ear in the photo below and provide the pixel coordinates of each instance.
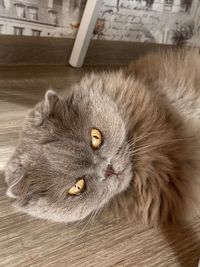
(15, 175)
(44, 109)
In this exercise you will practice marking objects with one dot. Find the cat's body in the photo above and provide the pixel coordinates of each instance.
(149, 117)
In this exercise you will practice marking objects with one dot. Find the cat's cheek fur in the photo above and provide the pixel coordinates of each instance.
(125, 179)
(41, 208)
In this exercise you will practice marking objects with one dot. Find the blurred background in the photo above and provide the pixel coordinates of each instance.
(155, 21)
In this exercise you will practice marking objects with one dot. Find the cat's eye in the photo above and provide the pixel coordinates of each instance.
(96, 138)
(77, 188)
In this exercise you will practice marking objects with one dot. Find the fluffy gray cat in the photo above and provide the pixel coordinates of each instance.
(129, 138)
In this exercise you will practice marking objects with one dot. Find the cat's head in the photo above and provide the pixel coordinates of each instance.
(72, 157)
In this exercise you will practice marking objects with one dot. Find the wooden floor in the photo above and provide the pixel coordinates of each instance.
(25, 241)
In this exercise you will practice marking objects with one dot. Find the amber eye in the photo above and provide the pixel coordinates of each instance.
(78, 188)
(96, 138)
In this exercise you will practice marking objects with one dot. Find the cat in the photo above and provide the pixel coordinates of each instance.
(128, 139)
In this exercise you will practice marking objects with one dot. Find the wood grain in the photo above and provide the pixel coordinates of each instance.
(28, 50)
(103, 242)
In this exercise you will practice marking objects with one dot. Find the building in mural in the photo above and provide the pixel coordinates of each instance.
(30, 17)
(40, 17)
(156, 5)
(171, 5)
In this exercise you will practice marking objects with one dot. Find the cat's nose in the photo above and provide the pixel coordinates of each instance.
(109, 171)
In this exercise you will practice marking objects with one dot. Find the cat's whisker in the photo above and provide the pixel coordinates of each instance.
(141, 137)
(91, 219)
(94, 216)
(133, 143)
(87, 223)
(153, 146)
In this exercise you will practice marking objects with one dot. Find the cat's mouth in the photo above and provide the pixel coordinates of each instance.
(111, 172)
(120, 176)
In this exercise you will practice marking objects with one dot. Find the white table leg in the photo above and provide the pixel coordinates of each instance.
(85, 32)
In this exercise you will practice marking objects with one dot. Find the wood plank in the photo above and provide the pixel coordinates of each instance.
(28, 50)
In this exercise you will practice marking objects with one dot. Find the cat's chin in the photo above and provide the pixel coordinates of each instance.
(124, 178)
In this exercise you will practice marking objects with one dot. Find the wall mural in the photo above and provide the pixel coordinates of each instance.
(160, 21)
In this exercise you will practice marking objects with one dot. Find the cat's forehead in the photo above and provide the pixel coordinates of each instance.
(82, 111)
(92, 98)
